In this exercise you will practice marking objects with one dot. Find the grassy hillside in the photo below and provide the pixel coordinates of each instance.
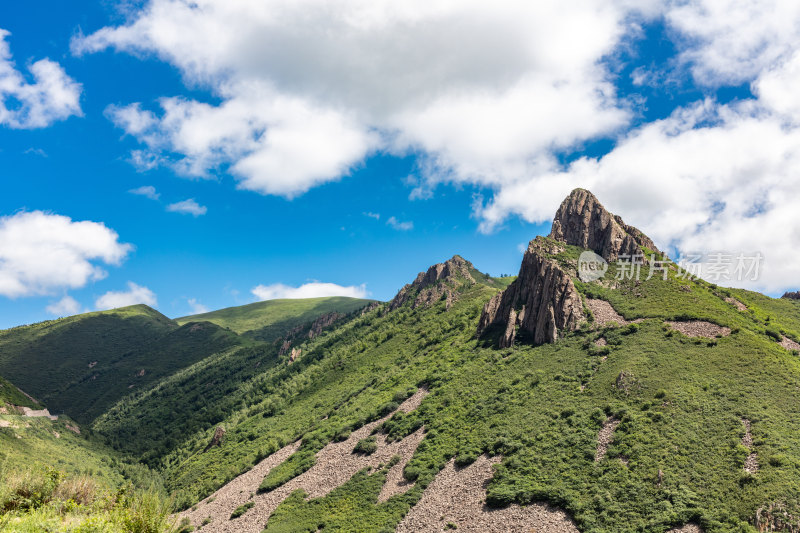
(676, 455)
(52, 479)
(273, 318)
(84, 364)
(11, 395)
(206, 392)
(150, 423)
(139, 368)
(49, 358)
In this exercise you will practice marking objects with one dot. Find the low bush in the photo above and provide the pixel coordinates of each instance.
(366, 446)
(239, 511)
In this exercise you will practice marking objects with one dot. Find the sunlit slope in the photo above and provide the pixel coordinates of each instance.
(675, 457)
(273, 318)
(48, 358)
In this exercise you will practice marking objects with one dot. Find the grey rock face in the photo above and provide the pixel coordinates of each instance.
(438, 281)
(581, 220)
(541, 302)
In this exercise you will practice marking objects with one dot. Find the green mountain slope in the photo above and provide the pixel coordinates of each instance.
(48, 358)
(11, 395)
(649, 404)
(273, 318)
(203, 394)
(680, 404)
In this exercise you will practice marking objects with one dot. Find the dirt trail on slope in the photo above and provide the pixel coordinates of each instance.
(739, 305)
(335, 465)
(456, 498)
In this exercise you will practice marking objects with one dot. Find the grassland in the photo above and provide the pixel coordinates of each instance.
(273, 318)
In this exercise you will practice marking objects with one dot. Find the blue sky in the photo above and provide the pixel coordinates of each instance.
(311, 142)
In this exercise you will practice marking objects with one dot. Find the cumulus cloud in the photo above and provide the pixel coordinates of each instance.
(136, 294)
(308, 290)
(41, 253)
(64, 307)
(188, 207)
(147, 191)
(196, 307)
(398, 225)
(733, 41)
(708, 178)
(483, 91)
(52, 96)
(490, 95)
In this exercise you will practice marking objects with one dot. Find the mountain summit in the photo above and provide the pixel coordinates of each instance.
(581, 220)
(543, 300)
(439, 280)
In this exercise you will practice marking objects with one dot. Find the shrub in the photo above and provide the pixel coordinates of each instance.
(239, 511)
(366, 446)
(29, 490)
(774, 333)
(295, 465)
(146, 512)
(82, 490)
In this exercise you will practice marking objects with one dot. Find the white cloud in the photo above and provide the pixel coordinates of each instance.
(188, 207)
(308, 290)
(147, 191)
(64, 307)
(136, 294)
(196, 307)
(400, 226)
(483, 91)
(376, 216)
(734, 41)
(36, 151)
(710, 177)
(52, 96)
(490, 94)
(41, 253)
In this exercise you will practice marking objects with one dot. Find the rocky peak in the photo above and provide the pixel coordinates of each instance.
(439, 280)
(791, 295)
(540, 303)
(581, 220)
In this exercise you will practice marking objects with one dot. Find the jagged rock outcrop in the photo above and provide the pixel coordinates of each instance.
(439, 280)
(791, 295)
(581, 220)
(370, 307)
(216, 439)
(541, 302)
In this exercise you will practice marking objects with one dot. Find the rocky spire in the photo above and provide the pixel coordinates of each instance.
(791, 295)
(439, 280)
(541, 302)
(581, 220)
